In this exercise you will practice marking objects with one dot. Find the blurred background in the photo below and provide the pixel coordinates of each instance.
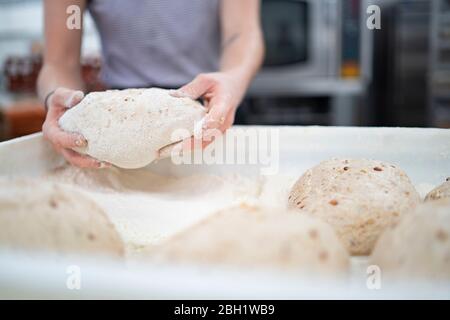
(323, 66)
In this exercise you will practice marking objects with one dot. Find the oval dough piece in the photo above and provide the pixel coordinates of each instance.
(51, 217)
(358, 197)
(440, 192)
(418, 246)
(128, 127)
(255, 236)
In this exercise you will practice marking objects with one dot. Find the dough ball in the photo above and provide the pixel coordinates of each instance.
(418, 246)
(128, 127)
(440, 192)
(50, 217)
(255, 236)
(358, 197)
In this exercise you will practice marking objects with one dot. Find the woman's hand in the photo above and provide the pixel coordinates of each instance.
(222, 93)
(63, 142)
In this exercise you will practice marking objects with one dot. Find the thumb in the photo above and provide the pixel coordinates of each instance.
(74, 98)
(66, 98)
(194, 89)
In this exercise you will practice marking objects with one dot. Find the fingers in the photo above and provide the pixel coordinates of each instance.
(63, 142)
(74, 99)
(191, 144)
(62, 139)
(168, 150)
(61, 100)
(69, 140)
(216, 116)
(83, 161)
(220, 104)
(194, 89)
(216, 101)
(66, 98)
(221, 114)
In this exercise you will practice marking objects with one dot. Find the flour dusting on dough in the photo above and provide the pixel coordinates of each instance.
(146, 207)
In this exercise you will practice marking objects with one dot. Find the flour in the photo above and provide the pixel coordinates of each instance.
(147, 208)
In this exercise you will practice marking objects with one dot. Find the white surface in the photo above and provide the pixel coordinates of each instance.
(423, 153)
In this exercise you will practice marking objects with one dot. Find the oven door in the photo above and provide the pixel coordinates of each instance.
(301, 39)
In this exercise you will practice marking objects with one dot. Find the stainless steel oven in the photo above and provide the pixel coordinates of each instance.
(308, 40)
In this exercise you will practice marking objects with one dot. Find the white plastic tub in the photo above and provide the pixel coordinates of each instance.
(423, 153)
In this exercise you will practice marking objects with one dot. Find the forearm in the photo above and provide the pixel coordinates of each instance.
(242, 54)
(62, 49)
(53, 76)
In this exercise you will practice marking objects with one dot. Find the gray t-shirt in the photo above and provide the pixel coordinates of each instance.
(156, 42)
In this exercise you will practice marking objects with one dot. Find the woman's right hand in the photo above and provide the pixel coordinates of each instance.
(63, 142)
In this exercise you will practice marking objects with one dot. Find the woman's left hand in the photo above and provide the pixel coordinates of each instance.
(222, 93)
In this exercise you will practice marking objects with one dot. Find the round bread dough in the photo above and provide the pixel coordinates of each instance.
(255, 236)
(36, 215)
(440, 192)
(358, 197)
(128, 127)
(418, 246)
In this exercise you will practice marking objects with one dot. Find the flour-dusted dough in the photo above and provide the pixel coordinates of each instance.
(358, 197)
(263, 237)
(36, 215)
(418, 246)
(128, 127)
(440, 192)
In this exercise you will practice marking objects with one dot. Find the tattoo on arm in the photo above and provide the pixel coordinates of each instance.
(230, 40)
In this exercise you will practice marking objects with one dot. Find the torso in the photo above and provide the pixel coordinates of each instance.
(162, 43)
